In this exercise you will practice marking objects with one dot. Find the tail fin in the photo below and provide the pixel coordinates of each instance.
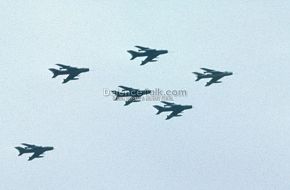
(133, 53)
(198, 75)
(159, 108)
(55, 72)
(20, 149)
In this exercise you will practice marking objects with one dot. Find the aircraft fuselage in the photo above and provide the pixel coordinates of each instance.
(151, 53)
(213, 75)
(176, 108)
(72, 71)
(135, 93)
(36, 149)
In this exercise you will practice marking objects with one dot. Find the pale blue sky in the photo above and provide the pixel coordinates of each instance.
(235, 138)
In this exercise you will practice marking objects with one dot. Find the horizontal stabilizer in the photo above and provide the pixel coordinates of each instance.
(159, 108)
(134, 54)
(20, 149)
(55, 72)
(198, 75)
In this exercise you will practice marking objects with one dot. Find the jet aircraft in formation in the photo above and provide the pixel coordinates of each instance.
(150, 54)
(72, 72)
(214, 75)
(134, 94)
(36, 150)
(175, 109)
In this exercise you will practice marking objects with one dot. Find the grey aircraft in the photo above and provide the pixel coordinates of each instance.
(134, 94)
(150, 54)
(175, 109)
(36, 150)
(214, 75)
(72, 72)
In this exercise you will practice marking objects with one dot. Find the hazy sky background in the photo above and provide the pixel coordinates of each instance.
(236, 137)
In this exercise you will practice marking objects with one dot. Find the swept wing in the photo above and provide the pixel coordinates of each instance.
(213, 80)
(36, 155)
(29, 145)
(70, 77)
(149, 58)
(174, 114)
(142, 48)
(168, 103)
(64, 66)
(125, 88)
(131, 100)
(210, 70)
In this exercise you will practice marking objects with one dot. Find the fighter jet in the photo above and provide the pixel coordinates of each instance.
(36, 150)
(175, 109)
(150, 54)
(214, 75)
(134, 94)
(72, 72)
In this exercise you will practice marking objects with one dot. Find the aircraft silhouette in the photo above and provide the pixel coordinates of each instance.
(214, 75)
(36, 150)
(175, 109)
(134, 94)
(72, 72)
(150, 54)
